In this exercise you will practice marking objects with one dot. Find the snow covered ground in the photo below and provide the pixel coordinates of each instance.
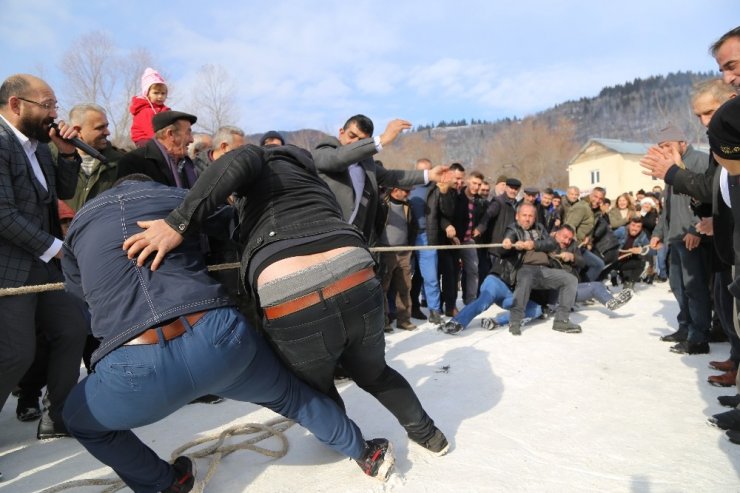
(608, 410)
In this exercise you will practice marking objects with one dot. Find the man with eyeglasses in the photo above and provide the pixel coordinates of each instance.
(31, 181)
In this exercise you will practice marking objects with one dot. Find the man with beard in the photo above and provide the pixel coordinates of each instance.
(30, 243)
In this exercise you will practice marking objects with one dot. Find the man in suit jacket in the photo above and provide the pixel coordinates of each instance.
(165, 157)
(30, 243)
(346, 164)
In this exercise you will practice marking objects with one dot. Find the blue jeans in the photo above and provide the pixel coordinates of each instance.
(660, 262)
(221, 354)
(688, 277)
(593, 290)
(594, 265)
(429, 272)
(493, 290)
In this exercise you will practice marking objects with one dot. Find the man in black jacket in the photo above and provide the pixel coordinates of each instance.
(501, 212)
(527, 244)
(165, 157)
(309, 269)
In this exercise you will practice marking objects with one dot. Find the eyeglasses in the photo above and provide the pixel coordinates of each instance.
(47, 106)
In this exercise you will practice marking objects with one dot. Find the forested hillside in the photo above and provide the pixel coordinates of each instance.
(537, 148)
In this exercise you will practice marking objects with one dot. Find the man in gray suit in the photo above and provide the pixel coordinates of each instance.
(30, 243)
(346, 164)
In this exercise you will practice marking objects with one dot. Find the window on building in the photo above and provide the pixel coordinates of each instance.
(595, 177)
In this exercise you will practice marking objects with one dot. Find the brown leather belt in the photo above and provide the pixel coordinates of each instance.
(170, 331)
(310, 299)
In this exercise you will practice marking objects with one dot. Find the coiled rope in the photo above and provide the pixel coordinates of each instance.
(217, 451)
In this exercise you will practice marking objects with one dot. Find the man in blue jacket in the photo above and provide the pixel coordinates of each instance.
(168, 337)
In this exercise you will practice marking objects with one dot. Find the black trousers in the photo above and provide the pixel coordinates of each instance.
(56, 315)
(348, 329)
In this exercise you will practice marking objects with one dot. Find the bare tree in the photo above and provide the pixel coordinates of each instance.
(214, 98)
(534, 151)
(97, 72)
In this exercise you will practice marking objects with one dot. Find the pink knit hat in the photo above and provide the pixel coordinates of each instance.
(150, 78)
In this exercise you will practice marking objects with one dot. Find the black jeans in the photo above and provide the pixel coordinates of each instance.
(58, 317)
(348, 329)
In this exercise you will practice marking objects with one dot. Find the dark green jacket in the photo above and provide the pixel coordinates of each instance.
(101, 179)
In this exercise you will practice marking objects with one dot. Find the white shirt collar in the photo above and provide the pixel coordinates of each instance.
(28, 145)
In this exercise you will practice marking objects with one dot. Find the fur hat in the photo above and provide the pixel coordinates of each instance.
(648, 200)
(150, 78)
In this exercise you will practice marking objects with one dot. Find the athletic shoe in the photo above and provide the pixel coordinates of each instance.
(620, 300)
(566, 326)
(435, 317)
(377, 460)
(184, 476)
(451, 327)
(489, 323)
(437, 444)
(625, 294)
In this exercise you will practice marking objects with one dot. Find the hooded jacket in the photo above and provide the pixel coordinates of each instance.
(143, 111)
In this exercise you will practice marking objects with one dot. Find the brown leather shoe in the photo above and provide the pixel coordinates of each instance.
(728, 365)
(727, 379)
(405, 326)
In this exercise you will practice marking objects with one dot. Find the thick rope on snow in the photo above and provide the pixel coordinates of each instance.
(218, 450)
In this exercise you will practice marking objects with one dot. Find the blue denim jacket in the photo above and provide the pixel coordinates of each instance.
(125, 300)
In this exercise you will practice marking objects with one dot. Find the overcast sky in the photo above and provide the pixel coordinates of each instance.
(311, 64)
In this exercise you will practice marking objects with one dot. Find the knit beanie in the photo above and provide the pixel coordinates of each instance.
(150, 78)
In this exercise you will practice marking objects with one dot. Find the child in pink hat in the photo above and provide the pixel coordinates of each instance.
(149, 103)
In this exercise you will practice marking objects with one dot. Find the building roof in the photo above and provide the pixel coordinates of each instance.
(622, 147)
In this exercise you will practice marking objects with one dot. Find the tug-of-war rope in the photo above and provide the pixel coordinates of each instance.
(58, 286)
(218, 450)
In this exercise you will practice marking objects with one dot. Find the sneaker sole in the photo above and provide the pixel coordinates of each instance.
(389, 462)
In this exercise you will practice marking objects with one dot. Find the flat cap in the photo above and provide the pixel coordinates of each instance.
(531, 190)
(513, 183)
(724, 130)
(167, 118)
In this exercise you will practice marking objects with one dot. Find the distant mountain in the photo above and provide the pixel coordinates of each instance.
(636, 110)
(537, 148)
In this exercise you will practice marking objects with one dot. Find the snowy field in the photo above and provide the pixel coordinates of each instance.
(608, 410)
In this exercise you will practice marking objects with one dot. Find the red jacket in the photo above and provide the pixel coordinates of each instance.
(143, 111)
